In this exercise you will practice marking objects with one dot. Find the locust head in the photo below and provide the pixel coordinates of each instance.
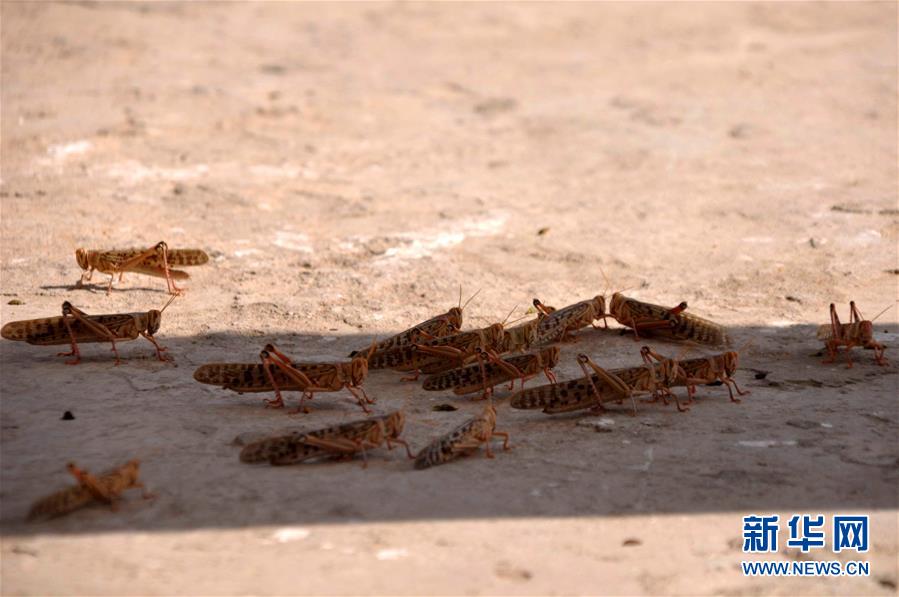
(599, 306)
(154, 319)
(550, 356)
(81, 256)
(358, 370)
(730, 362)
(542, 309)
(394, 423)
(866, 331)
(617, 305)
(454, 317)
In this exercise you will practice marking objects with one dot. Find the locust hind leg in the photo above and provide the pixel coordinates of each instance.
(170, 282)
(296, 375)
(509, 369)
(74, 352)
(68, 310)
(615, 382)
(93, 486)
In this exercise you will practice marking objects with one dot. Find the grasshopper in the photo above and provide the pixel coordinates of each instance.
(670, 322)
(106, 488)
(155, 261)
(521, 337)
(557, 324)
(463, 440)
(858, 332)
(601, 386)
(457, 350)
(466, 380)
(76, 326)
(277, 372)
(438, 354)
(339, 441)
(441, 325)
(711, 369)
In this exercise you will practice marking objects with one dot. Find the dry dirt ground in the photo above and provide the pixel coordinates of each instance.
(348, 166)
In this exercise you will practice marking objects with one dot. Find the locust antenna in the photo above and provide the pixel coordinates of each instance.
(173, 297)
(519, 319)
(470, 299)
(882, 312)
(606, 278)
(509, 315)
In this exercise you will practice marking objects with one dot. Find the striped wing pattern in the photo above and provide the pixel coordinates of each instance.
(251, 377)
(436, 326)
(49, 331)
(461, 440)
(291, 448)
(468, 379)
(553, 326)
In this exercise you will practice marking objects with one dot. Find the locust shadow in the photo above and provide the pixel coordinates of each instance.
(809, 437)
(100, 288)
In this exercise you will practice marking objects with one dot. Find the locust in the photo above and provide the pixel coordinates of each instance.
(438, 326)
(858, 332)
(277, 373)
(338, 441)
(710, 370)
(469, 379)
(463, 440)
(557, 324)
(106, 488)
(672, 322)
(155, 261)
(520, 338)
(74, 326)
(600, 386)
(439, 354)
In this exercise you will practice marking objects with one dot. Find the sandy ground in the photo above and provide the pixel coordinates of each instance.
(348, 167)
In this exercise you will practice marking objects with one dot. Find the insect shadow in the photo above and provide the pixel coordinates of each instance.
(785, 447)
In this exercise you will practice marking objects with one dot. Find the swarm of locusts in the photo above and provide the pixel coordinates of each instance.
(476, 362)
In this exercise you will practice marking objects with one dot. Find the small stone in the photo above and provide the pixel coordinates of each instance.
(68, 416)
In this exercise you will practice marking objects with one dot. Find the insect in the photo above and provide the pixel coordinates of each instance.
(600, 386)
(708, 370)
(557, 324)
(466, 380)
(338, 441)
(76, 326)
(858, 332)
(444, 324)
(671, 322)
(106, 488)
(463, 440)
(277, 372)
(155, 261)
(440, 354)
(520, 338)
